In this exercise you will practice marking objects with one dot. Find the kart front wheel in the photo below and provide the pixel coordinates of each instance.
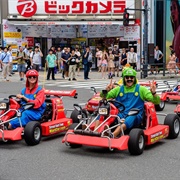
(136, 142)
(160, 106)
(173, 121)
(72, 126)
(32, 133)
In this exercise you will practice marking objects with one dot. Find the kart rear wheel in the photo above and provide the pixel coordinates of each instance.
(75, 113)
(72, 126)
(160, 107)
(136, 142)
(32, 133)
(173, 121)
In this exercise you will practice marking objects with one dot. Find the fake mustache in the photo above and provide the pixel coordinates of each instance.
(129, 81)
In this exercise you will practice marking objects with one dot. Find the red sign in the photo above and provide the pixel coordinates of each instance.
(30, 41)
(26, 8)
(89, 7)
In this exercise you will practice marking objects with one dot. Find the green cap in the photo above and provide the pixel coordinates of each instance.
(129, 72)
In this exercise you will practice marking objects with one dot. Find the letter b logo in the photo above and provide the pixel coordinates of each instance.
(26, 8)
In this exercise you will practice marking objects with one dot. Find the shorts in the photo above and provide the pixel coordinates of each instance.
(103, 65)
(66, 67)
(116, 64)
(21, 68)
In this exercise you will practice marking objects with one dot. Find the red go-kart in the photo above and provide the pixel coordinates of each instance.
(149, 132)
(171, 94)
(53, 121)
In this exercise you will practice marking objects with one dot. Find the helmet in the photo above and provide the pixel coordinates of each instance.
(129, 72)
(32, 73)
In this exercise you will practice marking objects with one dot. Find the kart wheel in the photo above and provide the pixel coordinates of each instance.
(136, 142)
(32, 133)
(72, 126)
(173, 121)
(160, 107)
(75, 113)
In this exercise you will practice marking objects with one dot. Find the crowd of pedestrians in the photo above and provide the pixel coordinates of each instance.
(68, 61)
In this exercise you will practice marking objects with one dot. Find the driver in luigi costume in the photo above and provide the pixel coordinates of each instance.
(131, 95)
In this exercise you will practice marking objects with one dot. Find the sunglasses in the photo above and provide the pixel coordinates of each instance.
(34, 77)
(131, 77)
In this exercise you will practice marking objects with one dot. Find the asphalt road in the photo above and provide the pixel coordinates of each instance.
(52, 160)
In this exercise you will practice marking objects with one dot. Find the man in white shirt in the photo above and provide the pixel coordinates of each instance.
(36, 60)
(132, 58)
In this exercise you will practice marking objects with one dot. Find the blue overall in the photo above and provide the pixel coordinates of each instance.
(30, 114)
(131, 100)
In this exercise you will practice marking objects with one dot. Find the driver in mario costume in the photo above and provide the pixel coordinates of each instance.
(32, 93)
(131, 95)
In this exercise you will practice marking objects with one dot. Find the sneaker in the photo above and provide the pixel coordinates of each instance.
(10, 74)
(69, 79)
(54, 79)
(74, 79)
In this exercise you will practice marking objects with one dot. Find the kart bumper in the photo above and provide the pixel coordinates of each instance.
(106, 142)
(13, 135)
(156, 133)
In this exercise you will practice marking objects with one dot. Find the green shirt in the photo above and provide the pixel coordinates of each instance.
(145, 94)
(51, 60)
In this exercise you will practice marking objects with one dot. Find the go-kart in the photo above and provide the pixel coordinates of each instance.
(171, 94)
(149, 132)
(53, 121)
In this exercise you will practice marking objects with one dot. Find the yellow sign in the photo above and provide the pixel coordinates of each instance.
(13, 35)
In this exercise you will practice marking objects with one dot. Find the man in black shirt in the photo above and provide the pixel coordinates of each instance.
(65, 58)
(72, 65)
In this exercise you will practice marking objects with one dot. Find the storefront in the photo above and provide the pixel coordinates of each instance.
(70, 23)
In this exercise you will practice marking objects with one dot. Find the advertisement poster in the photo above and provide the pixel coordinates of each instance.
(173, 27)
(105, 31)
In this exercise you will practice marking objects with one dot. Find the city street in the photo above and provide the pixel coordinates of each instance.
(53, 160)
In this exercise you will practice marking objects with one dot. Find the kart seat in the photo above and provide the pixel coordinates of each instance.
(47, 115)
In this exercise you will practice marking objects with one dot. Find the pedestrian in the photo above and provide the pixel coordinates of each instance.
(51, 63)
(29, 59)
(99, 58)
(78, 63)
(172, 63)
(11, 61)
(72, 65)
(158, 55)
(85, 63)
(25, 50)
(110, 64)
(104, 64)
(123, 57)
(65, 58)
(5, 62)
(59, 61)
(36, 60)
(20, 57)
(132, 58)
(116, 54)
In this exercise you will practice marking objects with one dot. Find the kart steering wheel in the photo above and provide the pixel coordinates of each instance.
(14, 97)
(118, 104)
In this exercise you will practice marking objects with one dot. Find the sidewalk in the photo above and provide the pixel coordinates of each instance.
(94, 75)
